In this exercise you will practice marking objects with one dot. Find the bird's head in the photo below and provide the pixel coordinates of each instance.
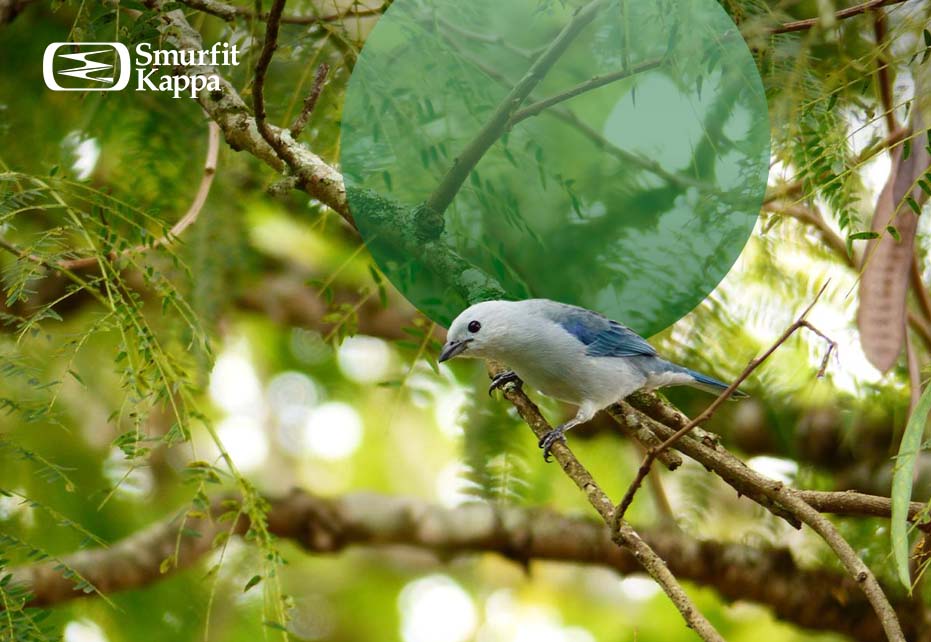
(481, 330)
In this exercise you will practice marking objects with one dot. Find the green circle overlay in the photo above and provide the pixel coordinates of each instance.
(633, 198)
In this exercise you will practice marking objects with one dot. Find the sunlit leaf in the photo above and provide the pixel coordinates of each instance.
(902, 483)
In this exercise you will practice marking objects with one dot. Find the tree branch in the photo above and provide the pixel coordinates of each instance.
(469, 157)
(816, 599)
(843, 14)
(311, 101)
(884, 81)
(724, 396)
(230, 12)
(227, 109)
(623, 535)
(649, 411)
(588, 85)
(568, 117)
(411, 230)
(812, 216)
(786, 500)
(285, 298)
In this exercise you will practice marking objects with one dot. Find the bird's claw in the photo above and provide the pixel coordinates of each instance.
(502, 378)
(546, 441)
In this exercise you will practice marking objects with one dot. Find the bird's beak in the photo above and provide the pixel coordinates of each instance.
(453, 348)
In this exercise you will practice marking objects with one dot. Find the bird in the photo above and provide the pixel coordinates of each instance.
(566, 352)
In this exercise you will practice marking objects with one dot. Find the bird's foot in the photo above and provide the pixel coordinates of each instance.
(502, 378)
(546, 442)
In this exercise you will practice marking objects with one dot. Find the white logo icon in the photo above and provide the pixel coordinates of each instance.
(91, 67)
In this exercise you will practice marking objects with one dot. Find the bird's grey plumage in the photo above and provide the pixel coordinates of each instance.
(566, 352)
(604, 337)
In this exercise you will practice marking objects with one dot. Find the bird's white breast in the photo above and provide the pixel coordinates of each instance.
(554, 362)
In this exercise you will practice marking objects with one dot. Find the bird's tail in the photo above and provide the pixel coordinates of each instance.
(710, 384)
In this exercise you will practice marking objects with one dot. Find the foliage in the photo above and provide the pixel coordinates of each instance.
(112, 417)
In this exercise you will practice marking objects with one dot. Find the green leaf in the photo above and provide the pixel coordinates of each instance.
(858, 236)
(912, 203)
(902, 483)
(894, 233)
(166, 564)
(252, 582)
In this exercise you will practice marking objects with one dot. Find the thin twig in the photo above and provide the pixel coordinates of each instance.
(284, 149)
(486, 38)
(311, 101)
(843, 14)
(200, 197)
(592, 83)
(269, 45)
(724, 396)
(203, 190)
(812, 216)
(624, 535)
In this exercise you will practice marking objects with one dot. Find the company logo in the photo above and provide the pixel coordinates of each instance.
(109, 66)
(97, 64)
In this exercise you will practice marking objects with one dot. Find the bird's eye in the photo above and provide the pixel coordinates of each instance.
(474, 326)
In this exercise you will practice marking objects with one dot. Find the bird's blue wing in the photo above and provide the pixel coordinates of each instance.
(619, 341)
(604, 337)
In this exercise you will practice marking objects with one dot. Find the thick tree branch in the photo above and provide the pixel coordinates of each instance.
(416, 231)
(285, 298)
(311, 173)
(812, 598)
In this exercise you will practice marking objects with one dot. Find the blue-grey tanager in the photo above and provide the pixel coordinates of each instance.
(565, 352)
